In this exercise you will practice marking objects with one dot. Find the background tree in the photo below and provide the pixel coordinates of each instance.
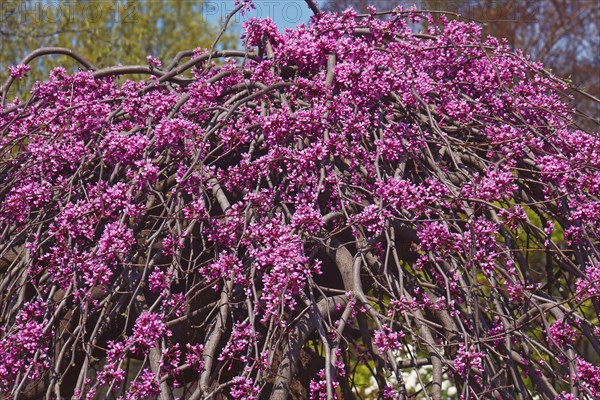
(351, 196)
(104, 32)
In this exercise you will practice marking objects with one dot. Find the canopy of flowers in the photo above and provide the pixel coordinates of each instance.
(350, 197)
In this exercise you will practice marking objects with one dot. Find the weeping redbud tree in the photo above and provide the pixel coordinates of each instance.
(314, 216)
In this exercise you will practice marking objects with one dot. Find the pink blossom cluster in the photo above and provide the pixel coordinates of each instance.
(144, 387)
(589, 376)
(587, 286)
(149, 329)
(388, 339)
(194, 356)
(318, 387)
(153, 62)
(241, 340)
(561, 334)
(19, 71)
(278, 257)
(469, 362)
(25, 346)
(244, 388)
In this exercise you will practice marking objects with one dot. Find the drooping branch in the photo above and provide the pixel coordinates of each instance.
(329, 307)
(44, 51)
(312, 5)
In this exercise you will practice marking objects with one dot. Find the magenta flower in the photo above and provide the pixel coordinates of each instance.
(19, 71)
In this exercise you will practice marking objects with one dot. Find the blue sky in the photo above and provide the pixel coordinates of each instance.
(285, 13)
